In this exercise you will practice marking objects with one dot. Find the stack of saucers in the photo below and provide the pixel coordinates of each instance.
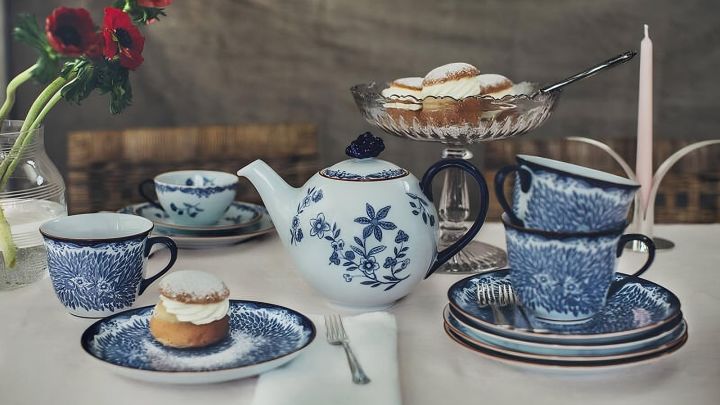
(241, 221)
(565, 230)
(641, 321)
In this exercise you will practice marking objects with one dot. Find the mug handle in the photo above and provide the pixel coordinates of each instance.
(525, 180)
(141, 190)
(145, 283)
(426, 187)
(645, 240)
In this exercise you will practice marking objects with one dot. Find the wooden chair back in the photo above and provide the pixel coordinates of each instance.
(105, 167)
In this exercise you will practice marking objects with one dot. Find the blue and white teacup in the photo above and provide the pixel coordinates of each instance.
(565, 277)
(563, 197)
(193, 197)
(97, 261)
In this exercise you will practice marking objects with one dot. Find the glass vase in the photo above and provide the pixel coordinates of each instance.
(34, 194)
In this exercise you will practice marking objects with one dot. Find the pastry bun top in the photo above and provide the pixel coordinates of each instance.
(193, 287)
(451, 71)
(404, 88)
(493, 83)
(410, 83)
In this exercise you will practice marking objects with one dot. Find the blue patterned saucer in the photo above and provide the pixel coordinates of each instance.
(238, 215)
(632, 348)
(639, 309)
(262, 336)
(561, 362)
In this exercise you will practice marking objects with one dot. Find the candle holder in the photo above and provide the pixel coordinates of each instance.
(644, 217)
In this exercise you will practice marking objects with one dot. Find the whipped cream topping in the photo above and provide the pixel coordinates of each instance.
(403, 106)
(198, 314)
(457, 89)
(404, 88)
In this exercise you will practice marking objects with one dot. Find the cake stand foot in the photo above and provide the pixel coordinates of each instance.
(476, 257)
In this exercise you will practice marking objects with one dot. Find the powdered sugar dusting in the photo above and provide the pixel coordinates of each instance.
(157, 356)
(192, 283)
(449, 72)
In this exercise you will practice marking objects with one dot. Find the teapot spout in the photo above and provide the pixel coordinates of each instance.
(275, 193)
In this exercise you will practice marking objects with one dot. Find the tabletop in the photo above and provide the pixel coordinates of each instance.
(41, 361)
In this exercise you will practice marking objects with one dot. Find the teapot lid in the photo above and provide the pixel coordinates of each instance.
(364, 166)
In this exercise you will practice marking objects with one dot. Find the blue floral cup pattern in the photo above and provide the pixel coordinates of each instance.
(98, 273)
(566, 277)
(193, 197)
(561, 197)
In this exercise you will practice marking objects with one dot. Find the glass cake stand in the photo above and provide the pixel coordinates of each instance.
(471, 120)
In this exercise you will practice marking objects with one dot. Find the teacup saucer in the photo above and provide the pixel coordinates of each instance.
(522, 348)
(208, 241)
(560, 362)
(262, 336)
(238, 215)
(639, 309)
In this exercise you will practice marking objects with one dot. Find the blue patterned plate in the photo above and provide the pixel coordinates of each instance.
(238, 215)
(262, 336)
(560, 362)
(566, 351)
(639, 309)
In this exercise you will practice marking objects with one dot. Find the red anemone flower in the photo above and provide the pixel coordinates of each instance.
(71, 32)
(122, 39)
(154, 3)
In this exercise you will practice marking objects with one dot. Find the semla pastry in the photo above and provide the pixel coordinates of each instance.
(192, 311)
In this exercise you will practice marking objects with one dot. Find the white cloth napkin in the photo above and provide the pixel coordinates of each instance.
(321, 374)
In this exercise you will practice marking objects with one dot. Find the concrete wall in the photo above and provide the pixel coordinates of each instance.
(232, 61)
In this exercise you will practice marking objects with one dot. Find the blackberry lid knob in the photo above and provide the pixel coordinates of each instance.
(365, 146)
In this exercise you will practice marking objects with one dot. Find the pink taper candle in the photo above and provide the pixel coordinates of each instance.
(644, 165)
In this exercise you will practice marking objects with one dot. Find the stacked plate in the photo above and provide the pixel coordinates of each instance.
(640, 322)
(240, 222)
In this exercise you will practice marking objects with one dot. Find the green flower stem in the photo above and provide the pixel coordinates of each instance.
(32, 114)
(12, 89)
(7, 245)
(42, 105)
(26, 141)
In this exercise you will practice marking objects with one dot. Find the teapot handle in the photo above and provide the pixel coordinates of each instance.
(426, 187)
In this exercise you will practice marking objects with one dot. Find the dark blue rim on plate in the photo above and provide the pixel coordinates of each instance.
(93, 330)
(461, 327)
(560, 363)
(474, 316)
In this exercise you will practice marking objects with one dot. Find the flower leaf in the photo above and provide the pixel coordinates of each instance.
(376, 250)
(370, 211)
(86, 80)
(368, 230)
(383, 212)
(386, 225)
(29, 32)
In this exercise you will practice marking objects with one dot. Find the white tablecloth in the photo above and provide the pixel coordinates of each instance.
(41, 361)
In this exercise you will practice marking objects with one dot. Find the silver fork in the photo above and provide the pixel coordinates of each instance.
(336, 336)
(494, 298)
(501, 296)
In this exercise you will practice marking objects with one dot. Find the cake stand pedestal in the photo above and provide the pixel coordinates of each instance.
(454, 211)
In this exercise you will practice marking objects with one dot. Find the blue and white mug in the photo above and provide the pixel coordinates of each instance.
(193, 197)
(566, 277)
(563, 197)
(97, 261)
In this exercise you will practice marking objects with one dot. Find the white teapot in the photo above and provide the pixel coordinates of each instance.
(363, 232)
